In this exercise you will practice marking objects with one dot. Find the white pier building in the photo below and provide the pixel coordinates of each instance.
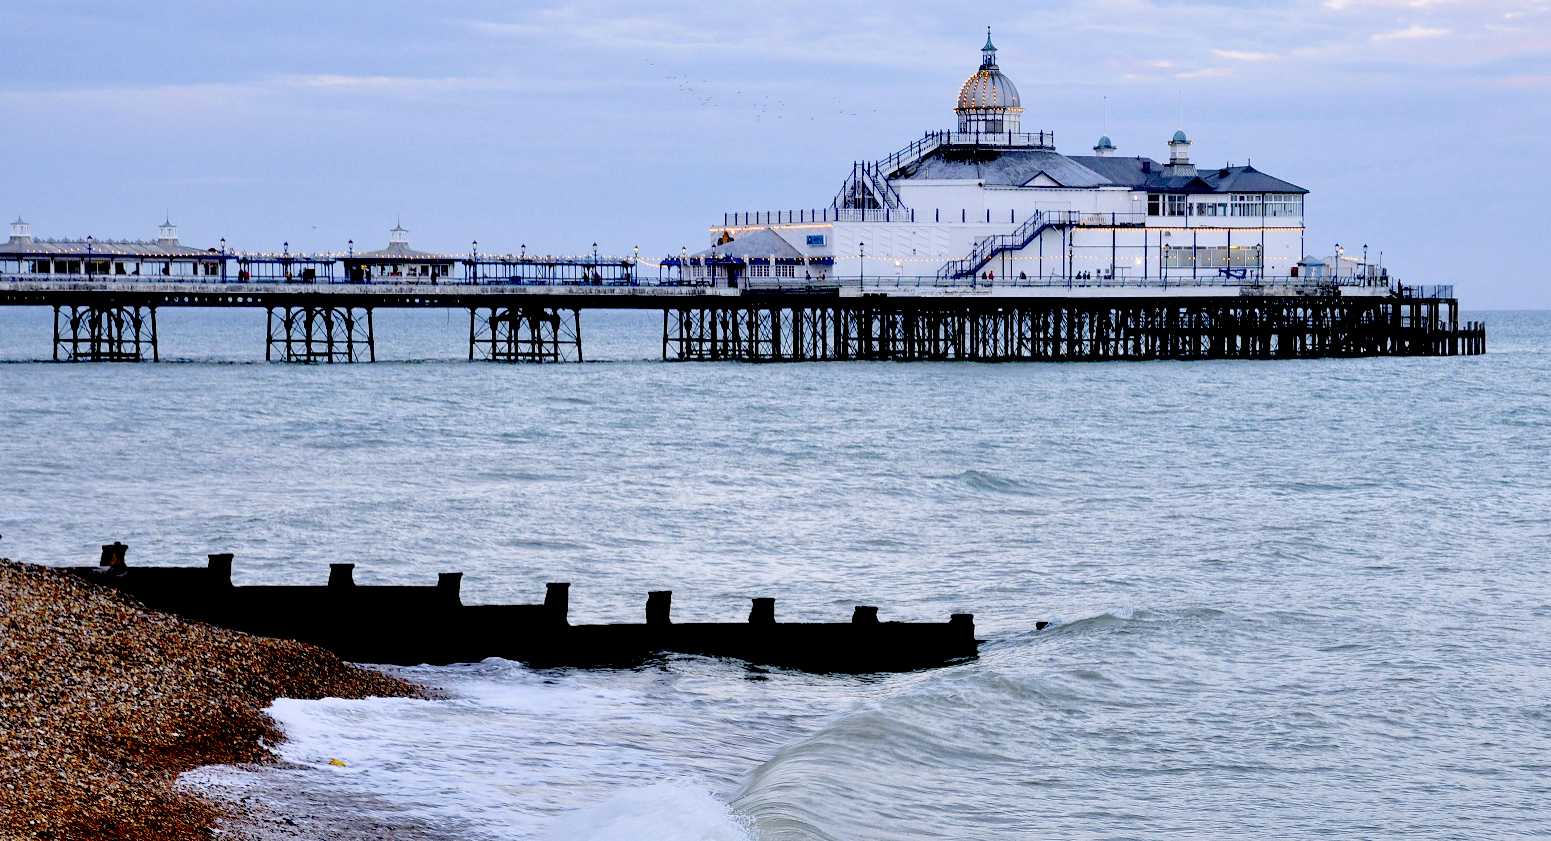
(993, 201)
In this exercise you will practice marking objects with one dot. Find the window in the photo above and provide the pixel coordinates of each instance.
(759, 270)
(1244, 256)
(1154, 204)
(1174, 205)
(1211, 208)
(1284, 204)
(1178, 258)
(1222, 256)
(1247, 204)
(786, 271)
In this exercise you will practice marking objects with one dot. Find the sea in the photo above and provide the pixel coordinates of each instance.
(1288, 599)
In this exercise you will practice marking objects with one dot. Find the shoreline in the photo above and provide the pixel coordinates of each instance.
(103, 704)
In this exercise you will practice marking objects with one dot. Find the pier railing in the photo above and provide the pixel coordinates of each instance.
(1250, 283)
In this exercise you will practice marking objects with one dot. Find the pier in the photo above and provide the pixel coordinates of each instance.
(412, 625)
(751, 298)
(847, 319)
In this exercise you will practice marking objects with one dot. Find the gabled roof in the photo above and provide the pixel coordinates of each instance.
(1247, 179)
(1000, 167)
(399, 252)
(1147, 174)
(102, 249)
(761, 243)
(1124, 172)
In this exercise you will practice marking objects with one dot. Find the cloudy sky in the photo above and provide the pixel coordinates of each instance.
(1418, 125)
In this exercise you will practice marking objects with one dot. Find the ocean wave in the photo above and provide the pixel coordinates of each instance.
(984, 482)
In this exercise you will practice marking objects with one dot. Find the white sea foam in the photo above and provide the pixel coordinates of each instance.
(672, 811)
(515, 753)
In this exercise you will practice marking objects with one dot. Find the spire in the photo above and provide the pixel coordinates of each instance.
(988, 52)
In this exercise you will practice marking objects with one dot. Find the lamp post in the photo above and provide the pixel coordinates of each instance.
(1366, 273)
(223, 259)
(1339, 252)
(474, 258)
(89, 243)
(861, 264)
(683, 261)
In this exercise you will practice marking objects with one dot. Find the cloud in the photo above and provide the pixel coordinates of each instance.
(1205, 73)
(1414, 32)
(1244, 55)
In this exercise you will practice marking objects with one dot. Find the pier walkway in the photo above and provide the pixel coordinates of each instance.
(928, 318)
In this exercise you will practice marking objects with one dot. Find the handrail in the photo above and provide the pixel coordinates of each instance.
(986, 248)
(15, 282)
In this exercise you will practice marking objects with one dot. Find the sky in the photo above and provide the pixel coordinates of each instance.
(1417, 125)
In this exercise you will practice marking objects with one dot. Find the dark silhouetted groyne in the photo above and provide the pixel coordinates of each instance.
(409, 625)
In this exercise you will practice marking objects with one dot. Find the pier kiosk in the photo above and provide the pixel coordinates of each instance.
(398, 262)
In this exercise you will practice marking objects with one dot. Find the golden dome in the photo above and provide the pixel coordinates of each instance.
(988, 89)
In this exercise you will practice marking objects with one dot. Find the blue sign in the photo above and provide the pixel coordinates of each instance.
(815, 239)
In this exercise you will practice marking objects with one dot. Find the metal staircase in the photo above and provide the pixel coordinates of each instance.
(867, 189)
(989, 248)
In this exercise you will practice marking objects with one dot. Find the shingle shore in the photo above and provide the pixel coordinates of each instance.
(104, 703)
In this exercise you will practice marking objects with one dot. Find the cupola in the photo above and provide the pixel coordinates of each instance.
(1179, 156)
(1104, 148)
(988, 101)
(21, 232)
(167, 233)
(398, 235)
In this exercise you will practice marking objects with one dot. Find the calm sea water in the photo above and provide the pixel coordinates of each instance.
(1291, 599)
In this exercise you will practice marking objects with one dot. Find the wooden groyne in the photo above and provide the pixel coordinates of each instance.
(410, 625)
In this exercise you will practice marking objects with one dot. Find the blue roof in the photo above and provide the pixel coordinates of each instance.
(1179, 137)
(1145, 173)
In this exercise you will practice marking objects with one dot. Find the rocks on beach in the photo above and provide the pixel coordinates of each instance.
(104, 703)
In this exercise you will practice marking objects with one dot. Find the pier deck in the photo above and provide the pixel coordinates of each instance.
(115, 320)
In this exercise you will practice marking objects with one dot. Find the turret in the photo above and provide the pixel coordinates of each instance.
(167, 233)
(21, 232)
(1179, 156)
(1104, 148)
(398, 235)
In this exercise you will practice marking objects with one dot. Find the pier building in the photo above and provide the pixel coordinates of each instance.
(163, 257)
(397, 262)
(991, 200)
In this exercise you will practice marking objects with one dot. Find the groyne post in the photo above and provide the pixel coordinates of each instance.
(220, 569)
(762, 612)
(341, 576)
(557, 601)
(659, 604)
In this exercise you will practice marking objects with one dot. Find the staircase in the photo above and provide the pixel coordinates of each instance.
(989, 248)
(867, 189)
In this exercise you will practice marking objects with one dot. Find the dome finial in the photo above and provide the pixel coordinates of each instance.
(988, 52)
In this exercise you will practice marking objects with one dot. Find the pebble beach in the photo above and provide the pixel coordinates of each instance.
(103, 704)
